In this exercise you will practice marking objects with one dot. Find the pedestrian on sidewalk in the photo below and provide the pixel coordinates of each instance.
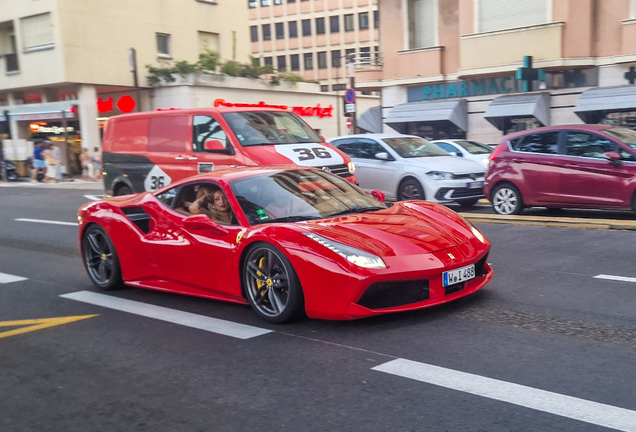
(87, 165)
(97, 164)
(50, 162)
(57, 154)
(38, 161)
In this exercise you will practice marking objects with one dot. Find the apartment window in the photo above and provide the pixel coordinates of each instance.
(269, 61)
(503, 14)
(36, 31)
(324, 88)
(267, 32)
(306, 27)
(339, 87)
(291, 1)
(348, 53)
(334, 24)
(335, 58)
(376, 19)
(163, 44)
(252, 3)
(422, 23)
(348, 21)
(295, 62)
(281, 63)
(277, 2)
(280, 31)
(363, 20)
(365, 54)
(254, 33)
(293, 29)
(309, 61)
(320, 26)
(322, 60)
(264, 2)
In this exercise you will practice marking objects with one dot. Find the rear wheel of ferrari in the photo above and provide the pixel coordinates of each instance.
(100, 259)
(271, 285)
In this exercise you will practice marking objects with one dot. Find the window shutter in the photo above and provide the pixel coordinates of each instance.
(422, 23)
(504, 14)
(36, 30)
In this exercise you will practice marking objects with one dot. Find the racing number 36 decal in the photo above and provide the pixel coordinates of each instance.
(156, 179)
(312, 153)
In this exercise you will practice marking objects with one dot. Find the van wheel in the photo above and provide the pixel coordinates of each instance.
(123, 190)
(410, 189)
(506, 200)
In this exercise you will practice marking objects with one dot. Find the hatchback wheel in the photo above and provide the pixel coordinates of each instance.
(506, 200)
(410, 189)
(100, 259)
(271, 285)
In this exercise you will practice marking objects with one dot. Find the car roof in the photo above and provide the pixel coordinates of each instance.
(373, 135)
(582, 127)
(175, 111)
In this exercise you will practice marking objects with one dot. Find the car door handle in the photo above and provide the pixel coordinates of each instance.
(193, 158)
(179, 158)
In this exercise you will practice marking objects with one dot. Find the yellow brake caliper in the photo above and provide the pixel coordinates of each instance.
(260, 284)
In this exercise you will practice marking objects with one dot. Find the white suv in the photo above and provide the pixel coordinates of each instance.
(407, 167)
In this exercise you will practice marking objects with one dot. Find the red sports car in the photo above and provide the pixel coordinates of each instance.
(287, 240)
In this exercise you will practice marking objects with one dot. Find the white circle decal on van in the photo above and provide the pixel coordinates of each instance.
(156, 179)
(310, 154)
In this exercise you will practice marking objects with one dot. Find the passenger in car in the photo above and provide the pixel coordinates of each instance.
(214, 204)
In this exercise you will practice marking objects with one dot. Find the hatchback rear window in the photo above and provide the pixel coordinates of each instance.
(545, 143)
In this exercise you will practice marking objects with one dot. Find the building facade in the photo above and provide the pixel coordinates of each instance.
(312, 37)
(478, 69)
(65, 63)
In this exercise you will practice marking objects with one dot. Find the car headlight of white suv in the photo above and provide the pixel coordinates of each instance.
(440, 175)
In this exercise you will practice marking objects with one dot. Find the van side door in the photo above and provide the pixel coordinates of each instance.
(168, 142)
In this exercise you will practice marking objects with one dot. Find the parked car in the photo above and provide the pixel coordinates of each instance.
(585, 166)
(407, 167)
(471, 150)
(302, 241)
(149, 150)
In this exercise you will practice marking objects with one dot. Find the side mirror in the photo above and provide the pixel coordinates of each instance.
(382, 156)
(203, 222)
(454, 154)
(379, 195)
(612, 156)
(213, 145)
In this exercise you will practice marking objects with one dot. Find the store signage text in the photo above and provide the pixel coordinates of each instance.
(316, 111)
(52, 129)
(456, 89)
(125, 104)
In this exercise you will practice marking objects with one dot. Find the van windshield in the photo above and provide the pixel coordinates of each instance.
(270, 127)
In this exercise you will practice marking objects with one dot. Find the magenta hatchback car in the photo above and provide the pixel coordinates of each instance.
(584, 166)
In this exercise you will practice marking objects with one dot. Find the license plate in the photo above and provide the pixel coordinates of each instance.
(475, 185)
(459, 275)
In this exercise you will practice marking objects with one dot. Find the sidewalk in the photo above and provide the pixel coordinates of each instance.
(64, 184)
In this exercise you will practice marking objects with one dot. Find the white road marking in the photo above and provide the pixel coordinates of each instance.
(617, 278)
(93, 197)
(46, 221)
(214, 325)
(7, 278)
(566, 406)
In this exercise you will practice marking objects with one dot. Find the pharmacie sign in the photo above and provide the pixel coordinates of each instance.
(310, 111)
(456, 89)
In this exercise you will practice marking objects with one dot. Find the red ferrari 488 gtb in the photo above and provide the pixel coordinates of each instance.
(287, 240)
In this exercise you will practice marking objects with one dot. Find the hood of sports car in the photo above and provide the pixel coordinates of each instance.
(406, 228)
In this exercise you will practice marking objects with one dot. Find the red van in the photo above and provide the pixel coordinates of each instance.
(584, 166)
(149, 150)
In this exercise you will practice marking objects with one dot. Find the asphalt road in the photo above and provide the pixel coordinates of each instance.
(545, 346)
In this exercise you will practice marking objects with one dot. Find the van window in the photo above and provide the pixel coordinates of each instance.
(206, 128)
(168, 134)
(546, 143)
(267, 127)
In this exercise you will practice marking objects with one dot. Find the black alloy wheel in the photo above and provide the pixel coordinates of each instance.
(506, 200)
(100, 259)
(410, 189)
(271, 285)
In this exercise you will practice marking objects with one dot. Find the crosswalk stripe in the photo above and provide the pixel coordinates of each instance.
(565, 406)
(7, 278)
(214, 325)
(46, 221)
(616, 278)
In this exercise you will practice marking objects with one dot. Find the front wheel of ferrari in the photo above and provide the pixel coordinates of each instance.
(271, 285)
(100, 259)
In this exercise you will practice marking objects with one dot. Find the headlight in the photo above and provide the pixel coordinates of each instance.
(486, 161)
(352, 167)
(356, 256)
(440, 175)
(477, 233)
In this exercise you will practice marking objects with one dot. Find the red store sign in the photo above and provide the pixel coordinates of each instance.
(125, 104)
(316, 111)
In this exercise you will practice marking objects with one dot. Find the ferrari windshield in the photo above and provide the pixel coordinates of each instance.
(270, 127)
(291, 196)
(411, 147)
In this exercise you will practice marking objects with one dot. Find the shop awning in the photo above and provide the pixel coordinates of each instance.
(594, 104)
(535, 105)
(453, 111)
(371, 120)
(43, 111)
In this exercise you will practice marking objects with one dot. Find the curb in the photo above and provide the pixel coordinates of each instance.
(565, 222)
